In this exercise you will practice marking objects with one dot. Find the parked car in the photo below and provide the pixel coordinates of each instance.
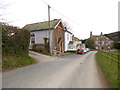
(85, 50)
(80, 51)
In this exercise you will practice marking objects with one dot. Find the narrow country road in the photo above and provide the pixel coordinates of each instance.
(72, 71)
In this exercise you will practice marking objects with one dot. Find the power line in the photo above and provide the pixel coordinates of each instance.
(61, 13)
(45, 2)
(64, 16)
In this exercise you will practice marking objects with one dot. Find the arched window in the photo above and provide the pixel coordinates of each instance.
(32, 35)
(32, 38)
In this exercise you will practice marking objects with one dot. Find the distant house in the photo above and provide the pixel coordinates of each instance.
(74, 44)
(68, 39)
(82, 46)
(40, 30)
(102, 41)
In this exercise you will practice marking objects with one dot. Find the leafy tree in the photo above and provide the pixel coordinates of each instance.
(90, 43)
(117, 45)
(83, 41)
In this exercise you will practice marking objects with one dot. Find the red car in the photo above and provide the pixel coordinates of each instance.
(80, 51)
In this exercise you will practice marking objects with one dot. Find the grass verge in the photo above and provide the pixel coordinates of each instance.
(12, 62)
(45, 53)
(109, 68)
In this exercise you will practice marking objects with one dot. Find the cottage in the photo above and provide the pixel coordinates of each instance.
(102, 41)
(68, 39)
(74, 44)
(40, 30)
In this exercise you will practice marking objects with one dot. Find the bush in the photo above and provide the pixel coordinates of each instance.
(38, 47)
(117, 45)
(15, 41)
(41, 48)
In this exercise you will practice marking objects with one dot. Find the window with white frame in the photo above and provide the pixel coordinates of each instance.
(109, 42)
(96, 42)
(32, 38)
(32, 35)
(96, 47)
(96, 38)
(106, 38)
(58, 33)
(102, 42)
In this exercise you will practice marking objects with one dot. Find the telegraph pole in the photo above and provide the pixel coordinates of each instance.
(49, 27)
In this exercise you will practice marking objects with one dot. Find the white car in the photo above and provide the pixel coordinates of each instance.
(85, 50)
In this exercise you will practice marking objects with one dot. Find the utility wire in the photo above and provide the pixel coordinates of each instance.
(45, 2)
(61, 13)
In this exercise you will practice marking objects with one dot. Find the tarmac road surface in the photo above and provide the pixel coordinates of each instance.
(72, 71)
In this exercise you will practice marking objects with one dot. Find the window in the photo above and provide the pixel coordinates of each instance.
(108, 47)
(33, 40)
(96, 38)
(58, 33)
(96, 47)
(103, 43)
(32, 35)
(106, 38)
(96, 42)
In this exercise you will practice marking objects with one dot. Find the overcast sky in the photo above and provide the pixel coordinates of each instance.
(83, 16)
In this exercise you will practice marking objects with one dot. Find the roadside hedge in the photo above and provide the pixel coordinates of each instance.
(15, 41)
(117, 45)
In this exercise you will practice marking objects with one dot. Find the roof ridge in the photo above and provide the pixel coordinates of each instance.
(43, 21)
(42, 25)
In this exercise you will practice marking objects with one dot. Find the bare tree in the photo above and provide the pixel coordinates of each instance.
(66, 26)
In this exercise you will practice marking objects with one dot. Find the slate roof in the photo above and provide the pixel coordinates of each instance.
(42, 25)
(75, 38)
(103, 38)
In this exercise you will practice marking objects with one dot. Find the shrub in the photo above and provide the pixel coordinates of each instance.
(117, 45)
(41, 48)
(15, 41)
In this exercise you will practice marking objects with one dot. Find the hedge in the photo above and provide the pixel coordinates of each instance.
(15, 41)
(117, 45)
(41, 48)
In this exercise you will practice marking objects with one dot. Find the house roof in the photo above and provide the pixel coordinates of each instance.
(42, 25)
(75, 38)
(103, 38)
(68, 31)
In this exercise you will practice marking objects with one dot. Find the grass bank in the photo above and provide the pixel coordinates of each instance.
(12, 62)
(109, 68)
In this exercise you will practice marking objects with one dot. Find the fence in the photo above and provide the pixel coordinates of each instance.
(111, 55)
(111, 66)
